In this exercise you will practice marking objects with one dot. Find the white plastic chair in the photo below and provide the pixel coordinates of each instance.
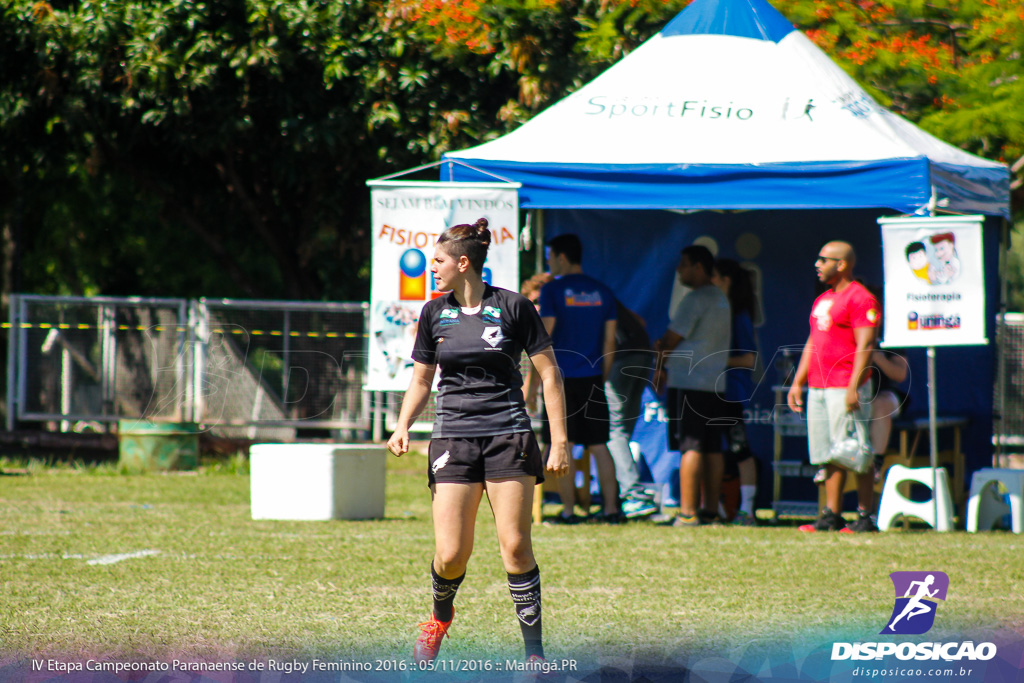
(938, 511)
(986, 505)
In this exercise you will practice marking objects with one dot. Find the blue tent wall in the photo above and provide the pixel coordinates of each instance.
(635, 253)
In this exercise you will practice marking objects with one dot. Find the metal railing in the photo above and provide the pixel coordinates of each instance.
(1008, 401)
(256, 369)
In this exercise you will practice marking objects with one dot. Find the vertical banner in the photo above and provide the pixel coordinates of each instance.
(934, 281)
(406, 220)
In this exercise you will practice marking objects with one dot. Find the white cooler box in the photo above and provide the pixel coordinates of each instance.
(312, 481)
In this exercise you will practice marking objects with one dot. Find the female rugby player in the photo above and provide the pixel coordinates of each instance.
(482, 439)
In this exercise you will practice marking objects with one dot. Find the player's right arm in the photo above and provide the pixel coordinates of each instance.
(413, 403)
(795, 397)
(668, 342)
(893, 365)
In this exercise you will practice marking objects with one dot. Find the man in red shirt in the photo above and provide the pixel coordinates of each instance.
(833, 363)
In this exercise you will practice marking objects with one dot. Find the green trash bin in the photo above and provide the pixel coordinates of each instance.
(144, 445)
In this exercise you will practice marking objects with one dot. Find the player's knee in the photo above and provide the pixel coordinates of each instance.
(451, 562)
(517, 554)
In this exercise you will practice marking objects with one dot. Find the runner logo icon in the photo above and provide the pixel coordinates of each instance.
(917, 594)
(917, 599)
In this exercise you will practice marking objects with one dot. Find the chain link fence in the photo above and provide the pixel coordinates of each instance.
(246, 369)
(256, 369)
(1008, 403)
(281, 365)
(77, 359)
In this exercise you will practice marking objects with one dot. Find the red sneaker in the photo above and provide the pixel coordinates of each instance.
(827, 521)
(429, 643)
(537, 669)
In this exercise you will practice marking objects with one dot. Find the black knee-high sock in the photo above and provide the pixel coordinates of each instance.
(525, 590)
(444, 594)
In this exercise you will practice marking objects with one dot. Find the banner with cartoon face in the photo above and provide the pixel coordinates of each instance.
(406, 220)
(934, 281)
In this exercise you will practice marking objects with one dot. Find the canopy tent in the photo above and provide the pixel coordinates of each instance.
(731, 107)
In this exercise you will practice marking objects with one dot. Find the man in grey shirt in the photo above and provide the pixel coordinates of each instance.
(694, 351)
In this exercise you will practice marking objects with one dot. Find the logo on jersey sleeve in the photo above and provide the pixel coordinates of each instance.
(492, 314)
(450, 316)
(493, 336)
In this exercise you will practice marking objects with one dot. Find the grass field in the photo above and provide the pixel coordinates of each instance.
(98, 564)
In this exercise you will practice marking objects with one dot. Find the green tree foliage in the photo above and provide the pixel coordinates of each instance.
(221, 147)
(215, 148)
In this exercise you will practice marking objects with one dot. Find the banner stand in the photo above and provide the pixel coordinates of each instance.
(407, 217)
(933, 430)
(934, 295)
(451, 172)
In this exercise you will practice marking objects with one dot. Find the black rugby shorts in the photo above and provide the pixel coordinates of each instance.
(586, 410)
(475, 459)
(698, 421)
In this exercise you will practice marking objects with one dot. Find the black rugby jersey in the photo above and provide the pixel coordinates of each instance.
(480, 390)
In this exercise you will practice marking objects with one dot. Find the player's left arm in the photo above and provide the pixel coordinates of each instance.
(865, 340)
(554, 402)
(608, 348)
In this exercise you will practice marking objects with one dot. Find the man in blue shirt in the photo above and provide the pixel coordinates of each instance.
(580, 315)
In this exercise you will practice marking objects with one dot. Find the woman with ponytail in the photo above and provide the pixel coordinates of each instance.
(482, 438)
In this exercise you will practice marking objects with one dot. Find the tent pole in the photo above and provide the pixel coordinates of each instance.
(933, 436)
(1004, 252)
(539, 239)
(933, 430)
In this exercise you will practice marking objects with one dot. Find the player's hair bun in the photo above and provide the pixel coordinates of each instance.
(481, 232)
(471, 241)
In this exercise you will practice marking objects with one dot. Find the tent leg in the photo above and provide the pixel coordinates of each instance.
(538, 240)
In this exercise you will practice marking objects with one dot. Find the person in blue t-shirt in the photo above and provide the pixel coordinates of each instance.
(580, 315)
(735, 281)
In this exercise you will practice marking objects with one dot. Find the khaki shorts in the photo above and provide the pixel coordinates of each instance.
(826, 420)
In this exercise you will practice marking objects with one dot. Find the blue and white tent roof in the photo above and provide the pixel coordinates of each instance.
(731, 107)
